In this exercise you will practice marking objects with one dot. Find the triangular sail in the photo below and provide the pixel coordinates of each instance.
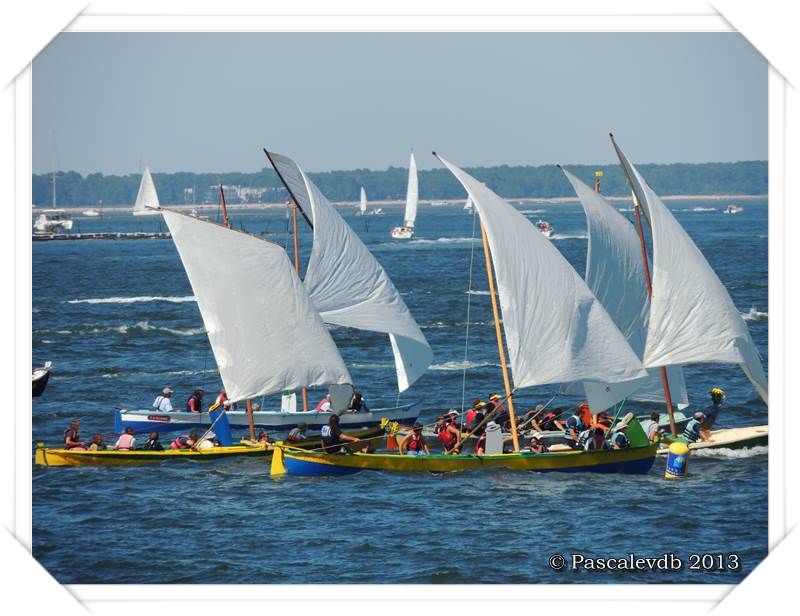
(412, 193)
(615, 274)
(264, 331)
(147, 198)
(363, 205)
(347, 284)
(692, 317)
(556, 330)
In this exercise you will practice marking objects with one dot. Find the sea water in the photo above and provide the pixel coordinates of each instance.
(119, 322)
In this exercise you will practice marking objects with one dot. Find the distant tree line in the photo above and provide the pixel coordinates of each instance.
(73, 189)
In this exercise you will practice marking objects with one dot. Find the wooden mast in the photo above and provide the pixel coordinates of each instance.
(648, 280)
(499, 332)
(223, 206)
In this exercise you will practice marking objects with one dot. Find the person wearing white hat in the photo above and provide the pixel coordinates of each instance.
(162, 403)
(693, 430)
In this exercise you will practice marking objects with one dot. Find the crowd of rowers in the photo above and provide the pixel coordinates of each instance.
(581, 430)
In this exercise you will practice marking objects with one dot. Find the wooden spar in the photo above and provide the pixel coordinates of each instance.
(498, 331)
(250, 422)
(648, 280)
(297, 269)
(223, 206)
(288, 189)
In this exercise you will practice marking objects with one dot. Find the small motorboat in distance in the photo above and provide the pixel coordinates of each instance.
(90, 213)
(544, 227)
(40, 376)
(734, 209)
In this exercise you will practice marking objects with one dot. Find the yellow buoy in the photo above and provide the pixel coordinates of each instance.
(677, 460)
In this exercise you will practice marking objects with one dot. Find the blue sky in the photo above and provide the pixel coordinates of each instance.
(210, 101)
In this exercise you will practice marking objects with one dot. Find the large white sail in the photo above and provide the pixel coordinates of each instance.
(264, 331)
(556, 330)
(412, 194)
(347, 284)
(363, 205)
(692, 317)
(147, 198)
(615, 274)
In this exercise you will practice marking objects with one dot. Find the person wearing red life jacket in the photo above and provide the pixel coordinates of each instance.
(477, 404)
(72, 438)
(126, 440)
(449, 434)
(184, 441)
(413, 444)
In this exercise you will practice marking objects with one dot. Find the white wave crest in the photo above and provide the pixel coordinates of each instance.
(134, 300)
(477, 292)
(558, 236)
(531, 212)
(755, 315)
(731, 454)
(114, 375)
(444, 240)
(461, 365)
(142, 326)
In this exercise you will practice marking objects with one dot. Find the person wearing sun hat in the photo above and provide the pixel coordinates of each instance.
(162, 403)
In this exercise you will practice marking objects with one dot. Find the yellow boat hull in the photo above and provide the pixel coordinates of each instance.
(637, 460)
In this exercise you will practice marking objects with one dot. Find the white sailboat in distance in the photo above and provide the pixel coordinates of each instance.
(406, 232)
(147, 203)
(362, 206)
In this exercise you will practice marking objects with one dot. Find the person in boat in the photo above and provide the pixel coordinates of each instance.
(537, 446)
(72, 437)
(602, 421)
(324, 405)
(549, 421)
(126, 440)
(574, 427)
(222, 398)
(413, 443)
(298, 433)
(209, 441)
(184, 441)
(357, 403)
(333, 438)
(163, 403)
(653, 430)
(263, 437)
(694, 429)
(619, 440)
(195, 402)
(153, 442)
(501, 417)
(717, 398)
(97, 443)
(469, 418)
(597, 439)
(448, 433)
(255, 407)
(476, 418)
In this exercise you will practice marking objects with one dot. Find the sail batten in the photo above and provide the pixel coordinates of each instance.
(347, 284)
(267, 339)
(556, 330)
(147, 202)
(412, 194)
(692, 316)
(615, 274)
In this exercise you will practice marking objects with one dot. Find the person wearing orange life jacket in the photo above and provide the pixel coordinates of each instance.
(448, 433)
(126, 440)
(413, 443)
(184, 441)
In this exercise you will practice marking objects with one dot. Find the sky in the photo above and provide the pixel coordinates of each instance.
(208, 102)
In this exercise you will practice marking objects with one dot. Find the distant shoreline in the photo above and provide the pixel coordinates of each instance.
(446, 202)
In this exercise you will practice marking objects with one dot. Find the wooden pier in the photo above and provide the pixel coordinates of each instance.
(140, 235)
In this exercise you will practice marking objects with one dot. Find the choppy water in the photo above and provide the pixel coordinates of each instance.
(118, 320)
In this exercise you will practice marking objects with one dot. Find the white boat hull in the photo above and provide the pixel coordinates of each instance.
(402, 233)
(279, 421)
